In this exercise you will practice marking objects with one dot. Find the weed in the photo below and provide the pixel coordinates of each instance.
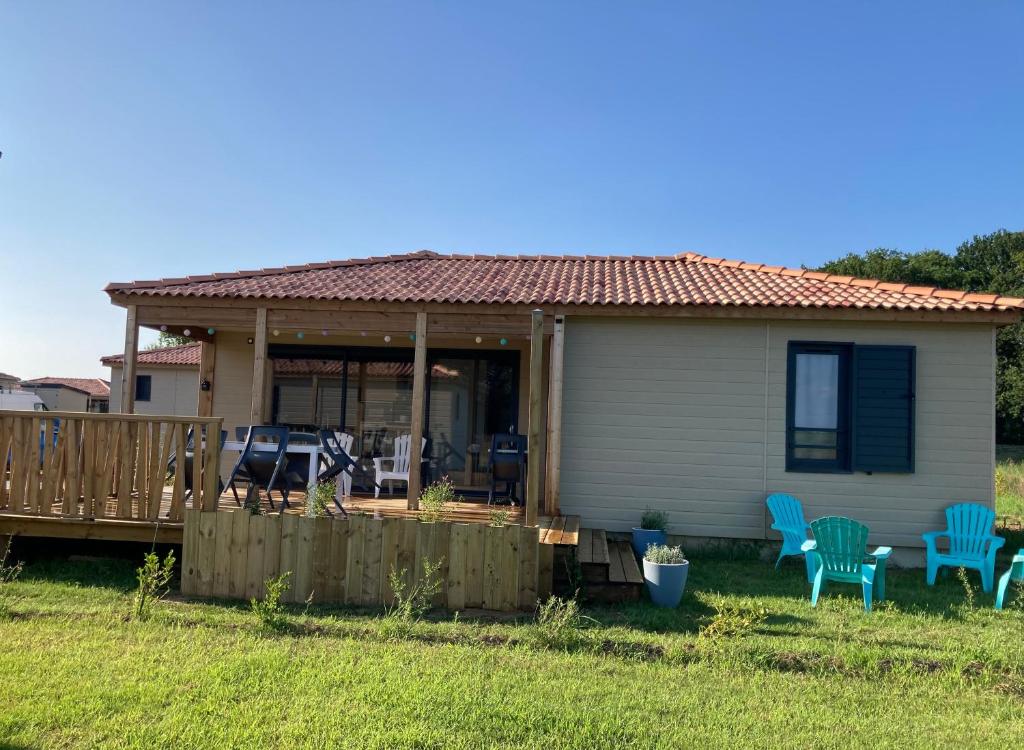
(560, 624)
(268, 609)
(411, 603)
(8, 574)
(730, 621)
(498, 517)
(969, 593)
(154, 578)
(318, 500)
(434, 500)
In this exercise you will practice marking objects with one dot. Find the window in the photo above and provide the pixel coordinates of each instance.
(818, 434)
(850, 408)
(143, 387)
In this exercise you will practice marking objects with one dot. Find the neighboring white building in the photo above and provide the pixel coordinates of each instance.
(166, 380)
(70, 394)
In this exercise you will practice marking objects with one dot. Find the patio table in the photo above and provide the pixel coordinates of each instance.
(313, 451)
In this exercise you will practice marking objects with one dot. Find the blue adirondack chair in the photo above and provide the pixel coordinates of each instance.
(788, 514)
(1015, 573)
(971, 543)
(838, 551)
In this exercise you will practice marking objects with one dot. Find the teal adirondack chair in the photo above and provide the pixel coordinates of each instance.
(788, 514)
(1015, 573)
(838, 551)
(971, 543)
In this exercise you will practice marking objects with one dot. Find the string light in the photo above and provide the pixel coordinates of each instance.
(412, 336)
(187, 332)
(163, 328)
(387, 339)
(323, 332)
(300, 335)
(276, 332)
(503, 341)
(362, 333)
(479, 340)
(211, 331)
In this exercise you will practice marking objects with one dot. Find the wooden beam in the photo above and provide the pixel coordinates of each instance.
(131, 356)
(419, 391)
(536, 457)
(554, 441)
(207, 363)
(259, 368)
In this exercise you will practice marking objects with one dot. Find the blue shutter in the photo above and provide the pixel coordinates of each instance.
(883, 409)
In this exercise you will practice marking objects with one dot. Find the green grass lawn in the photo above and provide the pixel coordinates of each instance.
(925, 669)
(1010, 482)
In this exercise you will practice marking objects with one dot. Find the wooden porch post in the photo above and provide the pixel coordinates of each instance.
(207, 360)
(554, 442)
(131, 355)
(536, 458)
(419, 388)
(259, 367)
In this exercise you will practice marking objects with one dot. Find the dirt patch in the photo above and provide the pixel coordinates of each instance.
(792, 661)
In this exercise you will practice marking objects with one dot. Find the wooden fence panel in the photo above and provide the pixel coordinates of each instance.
(336, 560)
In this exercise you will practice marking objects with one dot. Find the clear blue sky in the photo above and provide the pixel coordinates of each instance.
(143, 140)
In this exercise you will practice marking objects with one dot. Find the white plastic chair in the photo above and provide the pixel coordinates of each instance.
(399, 464)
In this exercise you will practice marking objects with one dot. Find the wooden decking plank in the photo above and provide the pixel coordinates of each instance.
(585, 555)
(557, 527)
(629, 564)
(571, 532)
(616, 573)
(544, 524)
(599, 552)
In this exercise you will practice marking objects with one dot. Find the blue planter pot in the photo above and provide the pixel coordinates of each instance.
(642, 538)
(666, 583)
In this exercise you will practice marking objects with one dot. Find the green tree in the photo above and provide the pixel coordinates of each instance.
(166, 339)
(985, 263)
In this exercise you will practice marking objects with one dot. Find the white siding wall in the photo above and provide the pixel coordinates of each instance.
(174, 391)
(670, 414)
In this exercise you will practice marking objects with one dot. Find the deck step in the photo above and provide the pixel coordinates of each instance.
(593, 547)
(623, 568)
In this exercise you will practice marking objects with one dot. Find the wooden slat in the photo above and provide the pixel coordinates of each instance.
(371, 562)
(198, 464)
(544, 524)
(528, 563)
(289, 553)
(440, 537)
(6, 430)
(211, 469)
(304, 560)
(354, 563)
(99, 507)
(390, 541)
(630, 569)
(35, 458)
(238, 551)
(321, 558)
(599, 547)
(142, 470)
(72, 462)
(207, 553)
(571, 530)
(407, 549)
(510, 568)
(338, 560)
(49, 469)
(190, 553)
(616, 574)
(545, 571)
(129, 438)
(88, 467)
(271, 551)
(554, 535)
(475, 565)
(156, 466)
(254, 560)
(222, 555)
(491, 597)
(178, 490)
(458, 543)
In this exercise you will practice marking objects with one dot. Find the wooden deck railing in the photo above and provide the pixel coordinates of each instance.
(85, 465)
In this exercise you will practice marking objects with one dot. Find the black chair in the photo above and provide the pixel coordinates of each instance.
(265, 468)
(507, 463)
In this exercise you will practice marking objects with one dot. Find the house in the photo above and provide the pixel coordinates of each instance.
(8, 382)
(71, 394)
(166, 380)
(684, 383)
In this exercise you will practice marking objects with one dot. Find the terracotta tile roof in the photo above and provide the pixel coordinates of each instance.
(685, 279)
(186, 355)
(93, 386)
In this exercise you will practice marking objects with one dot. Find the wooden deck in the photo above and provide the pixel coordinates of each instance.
(559, 530)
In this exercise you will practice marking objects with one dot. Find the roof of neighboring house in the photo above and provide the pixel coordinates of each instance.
(5, 376)
(684, 279)
(95, 387)
(186, 355)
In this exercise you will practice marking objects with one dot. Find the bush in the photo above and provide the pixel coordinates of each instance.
(268, 609)
(435, 498)
(663, 554)
(498, 518)
(318, 500)
(412, 603)
(560, 624)
(153, 578)
(654, 520)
